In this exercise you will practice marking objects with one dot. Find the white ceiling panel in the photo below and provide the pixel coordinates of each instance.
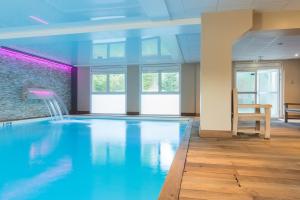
(190, 47)
(268, 46)
(197, 7)
(155, 9)
(234, 4)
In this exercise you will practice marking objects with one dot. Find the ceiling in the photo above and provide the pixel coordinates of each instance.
(185, 46)
(268, 45)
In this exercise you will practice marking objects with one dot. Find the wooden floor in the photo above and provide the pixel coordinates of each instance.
(220, 167)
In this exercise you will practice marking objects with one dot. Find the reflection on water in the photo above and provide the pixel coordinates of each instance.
(88, 159)
(108, 142)
(159, 143)
(28, 186)
(46, 145)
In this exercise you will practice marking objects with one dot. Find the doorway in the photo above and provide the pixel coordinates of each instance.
(260, 85)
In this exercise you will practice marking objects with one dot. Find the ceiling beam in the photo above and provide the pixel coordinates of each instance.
(90, 27)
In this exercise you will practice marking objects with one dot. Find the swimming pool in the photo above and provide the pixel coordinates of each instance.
(88, 158)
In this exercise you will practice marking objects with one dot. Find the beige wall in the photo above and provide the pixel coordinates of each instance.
(133, 82)
(189, 89)
(219, 32)
(198, 89)
(291, 81)
(83, 89)
(276, 20)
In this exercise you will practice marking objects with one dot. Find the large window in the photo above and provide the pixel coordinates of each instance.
(109, 50)
(153, 47)
(160, 90)
(108, 90)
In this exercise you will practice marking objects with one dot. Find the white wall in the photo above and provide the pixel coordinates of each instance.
(189, 88)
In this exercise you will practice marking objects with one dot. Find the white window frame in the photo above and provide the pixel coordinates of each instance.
(99, 44)
(158, 47)
(160, 69)
(108, 47)
(107, 71)
(254, 67)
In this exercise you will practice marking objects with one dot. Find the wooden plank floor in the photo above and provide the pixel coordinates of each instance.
(220, 167)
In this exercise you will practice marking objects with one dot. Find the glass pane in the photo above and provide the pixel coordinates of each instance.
(100, 51)
(99, 83)
(150, 82)
(245, 81)
(268, 80)
(160, 104)
(165, 47)
(109, 103)
(117, 50)
(117, 82)
(270, 98)
(170, 82)
(268, 89)
(150, 47)
(246, 99)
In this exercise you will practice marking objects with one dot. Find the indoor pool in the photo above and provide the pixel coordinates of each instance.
(87, 158)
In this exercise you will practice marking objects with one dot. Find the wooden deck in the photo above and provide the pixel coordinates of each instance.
(220, 167)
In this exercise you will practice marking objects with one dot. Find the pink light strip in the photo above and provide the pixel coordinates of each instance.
(31, 58)
(37, 19)
(44, 93)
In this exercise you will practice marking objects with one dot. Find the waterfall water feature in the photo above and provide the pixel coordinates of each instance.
(56, 107)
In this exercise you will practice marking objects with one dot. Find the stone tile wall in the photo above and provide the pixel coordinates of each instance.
(15, 73)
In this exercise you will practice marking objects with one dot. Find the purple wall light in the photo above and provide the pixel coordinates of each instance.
(35, 59)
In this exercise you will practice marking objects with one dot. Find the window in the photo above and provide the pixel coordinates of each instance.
(117, 83)
(150, 82)
(164, 50)
(170, 82)
(150, 47)
(99, 83)
(155, 47)
(100, 51)
(160, 90)
(109, 50)
(117, 50)
(108, 91)
(259, 85)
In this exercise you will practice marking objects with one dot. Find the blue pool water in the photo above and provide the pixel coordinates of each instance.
(87, 159)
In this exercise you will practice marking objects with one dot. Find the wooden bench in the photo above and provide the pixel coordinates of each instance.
(258, 116)
(288, 109)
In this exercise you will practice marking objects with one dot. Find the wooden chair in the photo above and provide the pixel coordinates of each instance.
(258, 116)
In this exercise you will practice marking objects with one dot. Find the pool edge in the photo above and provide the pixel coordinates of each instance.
(172, 184)
(125, 117)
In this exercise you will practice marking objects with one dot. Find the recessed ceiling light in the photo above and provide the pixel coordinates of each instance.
(107, 17)
(296, 55)
(38, 19)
